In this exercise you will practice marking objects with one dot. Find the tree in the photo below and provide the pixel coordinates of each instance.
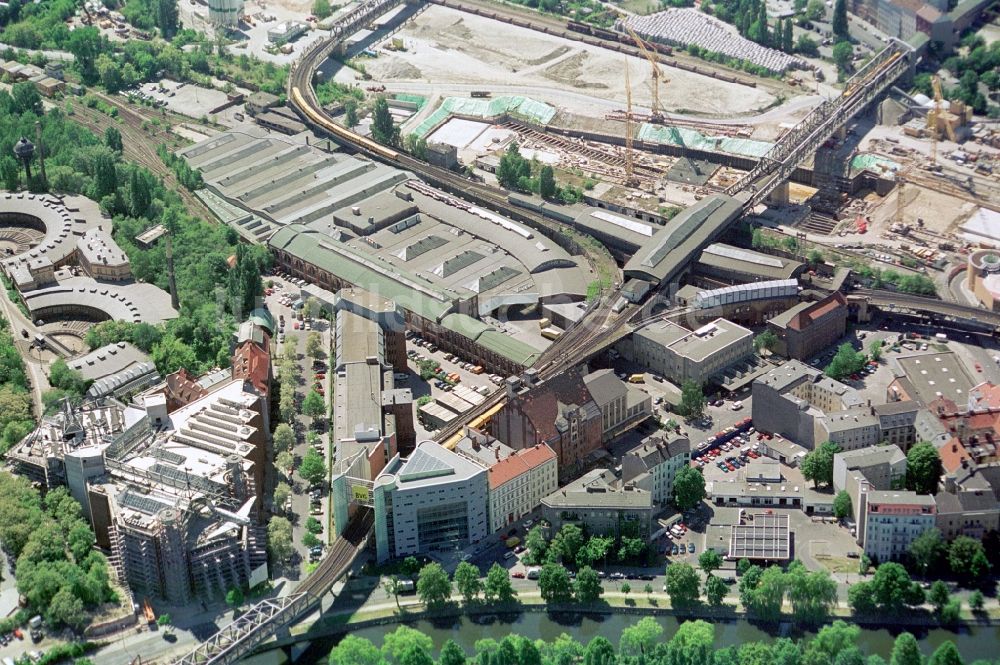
(283, 437)
(830, 642)
(284, 462)
(715, 589)
(312, 469)
(393, 587)
(497, 588)
(875, 350)
(682, 584)
(279, 540)
(554, 584)
(467, 581)
(817, 465)
(397, 644)
(25, 98)
(166, 18)
(846, 361)
(350, 113)
(113, 138)
(535, 542)
(766, 341)
(689, 488)
(452, 654)
(807, 46)
(815, 10)
(709, 560)
(313, 525)
(354, 650)
(513, 168)
(588, 585)
(626, 588)
(923, 468)
(693, 400)
(234, 597)
(314, 345)
(786, 38)
(433, 585)
(938, 595)
(595, 549)
(927, 550)
(384, 130)
(967, 558)
(417, 146)
(566, 544)
(946, 654)
(314, 406)
(743, 565)
(889, 591)
(906, 651)
(631, 549)
(691, 644)
(546, 182)
(640, 638)
(9, 173)
(164, 622)
(599, 652)
(811, 594)
(321, 8)
(86, 43)
(843, 54)
(840, 20)
(842, 505)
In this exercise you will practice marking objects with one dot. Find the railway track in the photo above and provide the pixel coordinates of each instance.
(139, 144)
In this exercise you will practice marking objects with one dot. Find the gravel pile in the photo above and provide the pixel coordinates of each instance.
(684, 26)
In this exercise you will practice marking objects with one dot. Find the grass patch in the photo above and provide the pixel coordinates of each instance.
(840, 564)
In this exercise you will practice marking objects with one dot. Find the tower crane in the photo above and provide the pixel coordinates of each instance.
(656, 114)
(630, 180)
(937, 117)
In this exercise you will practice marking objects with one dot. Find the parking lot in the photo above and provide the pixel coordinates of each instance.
(293, 324)
(188, 99)
(455, 371)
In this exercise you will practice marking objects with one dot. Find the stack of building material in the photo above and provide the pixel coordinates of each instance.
(685, 26)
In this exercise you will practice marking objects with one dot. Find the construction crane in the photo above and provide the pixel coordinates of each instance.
(937, 117)
(630, 180)
(656, 114)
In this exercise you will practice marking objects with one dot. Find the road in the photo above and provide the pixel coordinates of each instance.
(33, 363)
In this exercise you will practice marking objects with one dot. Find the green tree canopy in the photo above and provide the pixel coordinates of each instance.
(554, 584)
(693, 400)
(467, 581)
(817, 465)
(923, 468)
(433, 585)
(313, 468)
(384, 129)
(682, 584)
(689, 488)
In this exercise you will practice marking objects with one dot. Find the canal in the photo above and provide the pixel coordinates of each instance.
(973, 642)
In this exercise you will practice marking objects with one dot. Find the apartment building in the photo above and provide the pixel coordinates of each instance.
(433, 500)
(851, 429)
(601, 504)
(893, 520)
(654, 463)
(573, 413)
(518, 479)
(790, 399)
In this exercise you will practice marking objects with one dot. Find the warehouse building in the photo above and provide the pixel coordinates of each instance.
(735, 264)
(810, 327)
(679, 354)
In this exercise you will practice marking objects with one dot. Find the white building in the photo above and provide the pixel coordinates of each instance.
(680, 354)
(893, 520)
(435, 499)
(653, 465)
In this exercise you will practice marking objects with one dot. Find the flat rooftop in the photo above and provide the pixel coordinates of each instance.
(709, 338)
(765, 537)
(935, 375)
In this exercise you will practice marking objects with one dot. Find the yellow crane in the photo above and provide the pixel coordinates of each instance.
(657, 112)
(629, 165)
(937, 117)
